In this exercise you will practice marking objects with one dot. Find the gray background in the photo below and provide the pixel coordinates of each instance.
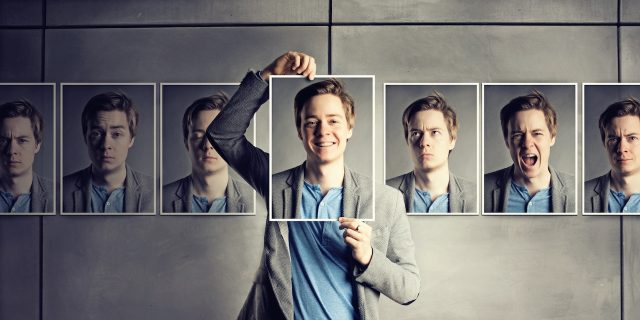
(288, 150)
(464, 101)
(175, 101)
(561, 97)
(75, 151)
(596, 99)
(42, 97)
(473, 267)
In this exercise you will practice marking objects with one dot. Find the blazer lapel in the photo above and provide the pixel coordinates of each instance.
(600, 202)
(501, 193)
(558, 194)
(407, 187)
(131, 193)
(456, 202)
(351, 196)
(38, 199)
(82, 193)
(235, 202)
(183, 194)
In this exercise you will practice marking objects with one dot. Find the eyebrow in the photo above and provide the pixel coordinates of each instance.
(327, 116)
(93, 126)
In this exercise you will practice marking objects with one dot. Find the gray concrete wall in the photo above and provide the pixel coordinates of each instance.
(202, 267)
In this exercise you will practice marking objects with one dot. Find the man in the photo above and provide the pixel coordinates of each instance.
(21, 189)
(619, 189)
(208, 188)
(310, 269)
(530, 185)
(108, 185)
(430, 130)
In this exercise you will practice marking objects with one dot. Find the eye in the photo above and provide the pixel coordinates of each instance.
(435, 132)
(633, 138)
(311, 123)
(23, 140)
(612, 140)
(95, 134)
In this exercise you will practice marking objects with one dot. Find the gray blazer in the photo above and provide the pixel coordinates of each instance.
(177, 196)
(498, 183)
(41, 195)
(596, 194)
(392, 270)
(462, 193)
(76, 188)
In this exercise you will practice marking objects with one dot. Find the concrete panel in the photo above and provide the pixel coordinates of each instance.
(149, 267)
(630, 54)
(19, 267)
(173, 55)
(498, 267)
(475, 11)
(631, 267)
(118, 12)
(21, 13)
(20, 52)
(629, 11)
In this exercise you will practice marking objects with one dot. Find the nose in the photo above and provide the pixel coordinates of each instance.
(623, 146)
(322, 128)
(205, 144)
(424, 140)
(12, 147)
(106, 142)
(527, 139)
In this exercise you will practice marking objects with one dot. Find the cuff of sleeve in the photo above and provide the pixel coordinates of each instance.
(373, 271)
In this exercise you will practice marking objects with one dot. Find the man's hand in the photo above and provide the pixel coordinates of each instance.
(291, 63)
(357, 235)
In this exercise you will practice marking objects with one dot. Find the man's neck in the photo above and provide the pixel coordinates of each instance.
(329, 175)
(18, 184)
(534, 184)
(435, 181)
(111, 179)
(212, 186)
(628, 184)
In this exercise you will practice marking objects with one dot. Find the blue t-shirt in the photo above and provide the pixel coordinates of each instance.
(422, 202)
(19, 204)
(520, 200)
(201, 205)
(617, 202)
(320, 259)
(103, 202)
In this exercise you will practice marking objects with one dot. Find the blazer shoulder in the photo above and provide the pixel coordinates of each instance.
(397, 181)
(71, 180)
(566, 179)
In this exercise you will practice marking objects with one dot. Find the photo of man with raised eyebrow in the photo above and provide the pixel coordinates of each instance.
(618, 191)
(318, 269)
(530, 185)
(108, 184)
(21, 132)
(208, 188)
(430, 130)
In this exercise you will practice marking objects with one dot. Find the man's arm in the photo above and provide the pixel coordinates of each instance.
(393, 273)
(226, 132)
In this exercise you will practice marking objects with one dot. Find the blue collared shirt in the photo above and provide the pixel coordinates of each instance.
(201, 205)
(520, 201)
(320, 259)
(19, 204)
(103, 202)
(617, 202)
(422, 202)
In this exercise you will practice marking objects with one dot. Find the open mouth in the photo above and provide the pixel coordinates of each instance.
(529, 159)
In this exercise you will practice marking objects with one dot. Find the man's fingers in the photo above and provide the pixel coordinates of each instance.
(304, 64)
(353, 234)
(296, 61)
(310, 72)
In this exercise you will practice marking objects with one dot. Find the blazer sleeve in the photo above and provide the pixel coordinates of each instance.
(226, 133)
(394, 273)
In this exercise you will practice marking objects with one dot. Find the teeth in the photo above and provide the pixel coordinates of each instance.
(324, 144)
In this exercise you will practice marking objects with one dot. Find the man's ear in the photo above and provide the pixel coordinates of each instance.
(452, 143)
(553, 140)
(299, 134)
(132, 141)
(38, 147)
